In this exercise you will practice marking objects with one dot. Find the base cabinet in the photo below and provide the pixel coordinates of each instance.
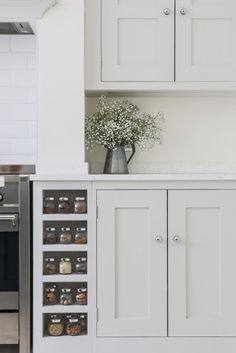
(132, 263)
(132, 272)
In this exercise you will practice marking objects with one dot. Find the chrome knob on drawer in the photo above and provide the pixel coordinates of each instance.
(176, 239)
(183, 11)
(159, 239)
(167, 11)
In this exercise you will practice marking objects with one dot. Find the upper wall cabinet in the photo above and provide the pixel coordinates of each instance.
(137, 40)
(206, 40)
(160, 44)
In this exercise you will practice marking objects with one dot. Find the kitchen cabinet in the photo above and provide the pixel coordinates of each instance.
(132, 263)
(160, 44)
(202, 260)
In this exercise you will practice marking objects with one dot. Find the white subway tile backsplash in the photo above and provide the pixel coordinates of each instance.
(13, 95)
(23, 78)
(4, 146)
(14, 129)
(24, 112)
(26, 44)
(4, 43)
(18, 99)
(5, 78)
(13, 61)
(5, 111)
(23, 146)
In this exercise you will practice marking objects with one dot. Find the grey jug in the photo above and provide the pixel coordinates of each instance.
(116, 162)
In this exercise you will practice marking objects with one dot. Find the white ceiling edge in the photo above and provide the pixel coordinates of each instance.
(25, 8)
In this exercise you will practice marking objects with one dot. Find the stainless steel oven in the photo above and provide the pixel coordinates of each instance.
(15, 261)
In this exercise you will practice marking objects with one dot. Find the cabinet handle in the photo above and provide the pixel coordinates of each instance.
(159, 239)
(183, 11)
(176, 239)
(167, 11)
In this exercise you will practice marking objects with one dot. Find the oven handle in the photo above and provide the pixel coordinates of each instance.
(9, 217)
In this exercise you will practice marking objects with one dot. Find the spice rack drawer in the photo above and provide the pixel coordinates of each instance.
(65, 201)
(65, 293)
(64, 324)
(65, 232)
(65, 263)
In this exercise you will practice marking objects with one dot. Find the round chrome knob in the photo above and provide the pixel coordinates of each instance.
(1, 197)
(167, 11)
(159, 239)
(183, 11)
(176, 239)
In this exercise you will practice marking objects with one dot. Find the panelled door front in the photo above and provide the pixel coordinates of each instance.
(132, 263)
(205, 40)
(202, 263)
(137, 40)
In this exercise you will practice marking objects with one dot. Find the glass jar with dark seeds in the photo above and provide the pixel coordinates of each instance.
(49, 266)
(50, 295)
(63, 205)
(81, 236)
(81, 265)
(50, 236)
(65, 236)
(66, 296)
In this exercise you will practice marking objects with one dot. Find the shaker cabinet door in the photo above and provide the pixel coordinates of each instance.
(132, 263)
(205, 40)
(137, 40)
(202, 263)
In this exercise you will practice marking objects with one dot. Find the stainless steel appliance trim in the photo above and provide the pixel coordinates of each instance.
(24, 265)
(9, 301)
(9, 328)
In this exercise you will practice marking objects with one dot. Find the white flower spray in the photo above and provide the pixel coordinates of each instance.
(121, 123)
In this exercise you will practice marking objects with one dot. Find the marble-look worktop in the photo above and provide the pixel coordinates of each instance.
(137, 177)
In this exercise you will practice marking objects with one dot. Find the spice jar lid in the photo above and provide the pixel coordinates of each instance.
(73, 320)
(50, 229)
(50, 289)
(49, 259)
(79, 198)
(81, 259)
(55, 318)
(81, 229)
(81, 290)
(49, 198)
(65, 229)
(65, 259)
(63, 198)
(66, 290)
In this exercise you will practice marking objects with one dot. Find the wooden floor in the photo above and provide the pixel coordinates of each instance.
(8, 349)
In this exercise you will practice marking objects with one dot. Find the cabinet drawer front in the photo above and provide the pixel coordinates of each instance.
(132, 269)
(9, 328)
(137, 40)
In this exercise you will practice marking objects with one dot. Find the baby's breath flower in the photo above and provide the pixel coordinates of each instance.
(121, 123)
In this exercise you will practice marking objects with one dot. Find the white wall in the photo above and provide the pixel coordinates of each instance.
(199, 135)
(61, 89)
(18, 111)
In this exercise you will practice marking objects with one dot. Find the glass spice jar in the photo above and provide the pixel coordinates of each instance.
(81, 265)
(50, 236)
(81, 236)
(73, 326)
(55, 326)
(83, 323)
(80, 205)
(63, 205)
(50, 267)
(50, 297)
(66, 296)
(81, 296)
(49, 205)
(65, 237)
(65, 266)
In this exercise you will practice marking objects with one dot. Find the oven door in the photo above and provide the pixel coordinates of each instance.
(9, 262)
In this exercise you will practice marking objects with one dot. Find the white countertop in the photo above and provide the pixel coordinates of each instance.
(137, 177)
